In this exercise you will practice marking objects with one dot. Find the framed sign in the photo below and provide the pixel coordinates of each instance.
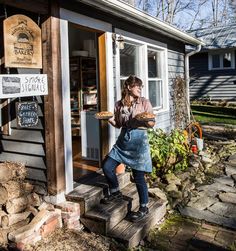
(23, 85)
(27, 114)
(22, 42)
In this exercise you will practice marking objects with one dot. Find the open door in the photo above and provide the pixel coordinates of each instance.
(88, 95)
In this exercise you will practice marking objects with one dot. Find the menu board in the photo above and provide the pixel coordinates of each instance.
(27, 113)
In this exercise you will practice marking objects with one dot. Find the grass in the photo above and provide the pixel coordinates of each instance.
(214, 114)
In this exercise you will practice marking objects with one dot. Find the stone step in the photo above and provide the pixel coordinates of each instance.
(102, 218)
(91, 189)
(130, 234)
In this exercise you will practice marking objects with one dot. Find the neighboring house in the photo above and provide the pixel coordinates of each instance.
(89, 48)
(212, 70)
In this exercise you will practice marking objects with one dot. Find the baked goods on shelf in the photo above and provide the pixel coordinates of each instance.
(145, 116)
(104, 115)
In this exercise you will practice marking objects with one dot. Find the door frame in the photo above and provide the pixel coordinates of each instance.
(104, 79)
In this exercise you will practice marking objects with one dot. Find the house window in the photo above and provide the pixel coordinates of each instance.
(149, 63)
(129, 62)
(155, 81)
(221, 60)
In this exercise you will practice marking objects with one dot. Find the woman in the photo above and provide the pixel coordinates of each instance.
(131, 148)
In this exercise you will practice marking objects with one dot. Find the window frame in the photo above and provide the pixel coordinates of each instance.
(143, 71)
(221, 54)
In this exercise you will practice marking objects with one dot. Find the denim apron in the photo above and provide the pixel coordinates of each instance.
(132, 149)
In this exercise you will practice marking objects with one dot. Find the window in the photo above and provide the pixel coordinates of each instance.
(147, 62)
(154, 78)
(129, 63)
(221, 60)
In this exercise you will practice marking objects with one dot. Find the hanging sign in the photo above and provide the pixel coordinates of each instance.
(23, 85)
(22, 42)
(27, 113)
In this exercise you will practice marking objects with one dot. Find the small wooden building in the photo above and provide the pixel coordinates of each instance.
(89, 48)
(212, 70)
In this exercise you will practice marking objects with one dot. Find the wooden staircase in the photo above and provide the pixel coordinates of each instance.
(112, 219)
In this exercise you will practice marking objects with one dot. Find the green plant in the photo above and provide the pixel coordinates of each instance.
(169, 152)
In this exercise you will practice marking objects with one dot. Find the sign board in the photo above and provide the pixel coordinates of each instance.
(22, 42)
(23, 85)
(27, 113)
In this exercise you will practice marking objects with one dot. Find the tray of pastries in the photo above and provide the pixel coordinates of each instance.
(104, 115)
(145, 116)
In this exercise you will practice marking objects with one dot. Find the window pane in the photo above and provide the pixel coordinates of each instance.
(227, 60)
(155, 92)
(154, 64)
(129, 60)
(216, 61)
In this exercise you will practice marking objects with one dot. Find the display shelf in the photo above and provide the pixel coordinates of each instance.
(83, 86)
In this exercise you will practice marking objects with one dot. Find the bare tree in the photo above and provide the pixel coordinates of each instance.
(188, 14)
(131, 2)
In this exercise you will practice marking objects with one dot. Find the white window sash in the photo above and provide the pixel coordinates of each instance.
(143, 71)
(221, 54)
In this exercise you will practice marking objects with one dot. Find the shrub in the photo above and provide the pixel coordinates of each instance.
(169, 152)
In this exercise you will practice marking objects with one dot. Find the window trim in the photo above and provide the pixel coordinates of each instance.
(221, 54)
(143, 70)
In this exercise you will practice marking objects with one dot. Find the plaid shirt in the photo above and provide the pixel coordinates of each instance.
(124, 116)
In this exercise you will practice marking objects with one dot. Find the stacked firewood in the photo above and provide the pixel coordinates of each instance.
(24, 216)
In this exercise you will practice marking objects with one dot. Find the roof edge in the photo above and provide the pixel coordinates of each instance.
(128, 12)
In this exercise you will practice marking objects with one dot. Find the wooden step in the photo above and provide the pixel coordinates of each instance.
(90, 190)
(130, 234)
(102, 218)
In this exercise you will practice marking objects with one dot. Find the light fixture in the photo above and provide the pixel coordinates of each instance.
(121, 42)
(117, 42)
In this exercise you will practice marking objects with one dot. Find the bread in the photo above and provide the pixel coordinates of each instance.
(104, 115)
(145, 116)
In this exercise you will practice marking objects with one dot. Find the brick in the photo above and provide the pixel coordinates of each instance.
(53, 215)
(209, 226)
(67, 215)
(32, 239)
(29, 229)
(50, 227)
(70, 220)
(207, 232)
(225, 238)
(69, 206)
(203, 238)
(75, 226)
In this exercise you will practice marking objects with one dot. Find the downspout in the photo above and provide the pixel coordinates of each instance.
(187, 78)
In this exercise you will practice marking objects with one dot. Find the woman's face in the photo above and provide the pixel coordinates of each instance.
(135, 90)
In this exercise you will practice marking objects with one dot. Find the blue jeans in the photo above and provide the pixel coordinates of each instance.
(109, 170)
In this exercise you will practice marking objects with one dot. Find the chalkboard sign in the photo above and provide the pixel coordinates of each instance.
(27, 114)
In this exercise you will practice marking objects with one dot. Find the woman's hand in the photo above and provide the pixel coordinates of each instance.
(112, 121)
(150, 123)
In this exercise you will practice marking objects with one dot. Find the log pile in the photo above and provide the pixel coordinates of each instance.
(24, 217)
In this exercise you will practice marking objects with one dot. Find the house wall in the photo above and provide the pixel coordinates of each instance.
(175, 68)
(165, 119)
(216, 84)
(25, 145)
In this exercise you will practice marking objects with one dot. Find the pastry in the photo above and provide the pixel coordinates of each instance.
(145, 116)
(104, 115)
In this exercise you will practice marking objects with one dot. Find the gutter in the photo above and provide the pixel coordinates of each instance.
(187, 78)
(128, 12)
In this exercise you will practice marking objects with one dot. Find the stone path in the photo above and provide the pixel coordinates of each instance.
(181, 234)
(216, 203)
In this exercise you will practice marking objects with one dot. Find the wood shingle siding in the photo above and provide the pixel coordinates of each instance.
(214, 84)
(26, 145)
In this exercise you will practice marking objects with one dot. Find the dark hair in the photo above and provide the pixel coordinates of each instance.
(131, 81)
